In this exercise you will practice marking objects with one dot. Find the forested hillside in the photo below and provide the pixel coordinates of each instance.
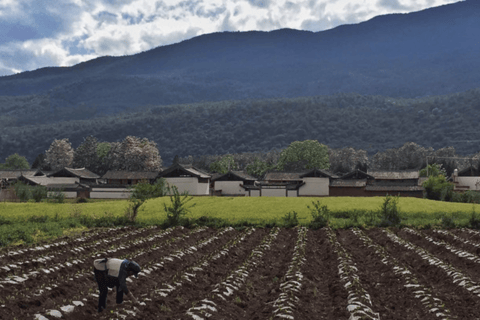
(430, 52)
(372, 123)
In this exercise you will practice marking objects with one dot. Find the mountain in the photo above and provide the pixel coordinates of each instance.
(430, 52)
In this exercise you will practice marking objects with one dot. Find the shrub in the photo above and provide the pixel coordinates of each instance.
(320, 214)
(290, 219)
(448, 220)
(81, 200)
(56, 196)
(390, 216)
(22, 191)
(39, 193)
(438, 188)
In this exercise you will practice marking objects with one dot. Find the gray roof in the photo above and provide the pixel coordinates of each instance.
(394, 175)
(282, 176)
(130, 175)
(237, 175)
(317, 173)
(77, 172)
(357, 174)
(14, 174)
(186, 170)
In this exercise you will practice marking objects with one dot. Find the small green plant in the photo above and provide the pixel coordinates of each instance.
(389, 213)
(320, 214)
(290, 219)
(178, 207)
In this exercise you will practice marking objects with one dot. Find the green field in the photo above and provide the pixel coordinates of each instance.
(48, 220)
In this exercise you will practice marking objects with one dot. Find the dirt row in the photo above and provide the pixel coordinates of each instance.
(170, 262)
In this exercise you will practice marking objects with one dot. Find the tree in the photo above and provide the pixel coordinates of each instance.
(141, 192)
(15, 161)
(41, 163)
(60, 154)
(86, 155)
(224, 164)
(133, 154)
(433, 170)
(258, 168)
(314, 153)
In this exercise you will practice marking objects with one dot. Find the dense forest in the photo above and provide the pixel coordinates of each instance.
(372, 123)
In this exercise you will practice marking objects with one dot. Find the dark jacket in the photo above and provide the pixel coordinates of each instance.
(117, 271)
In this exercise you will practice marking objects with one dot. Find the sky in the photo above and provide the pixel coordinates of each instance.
(44, 33)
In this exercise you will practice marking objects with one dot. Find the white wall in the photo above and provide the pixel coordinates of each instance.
(292, 193)
(189, 184)
(469, 181)
(273, 192)
(254, 193)
(109, 193)
(230, 187)
(314, 187)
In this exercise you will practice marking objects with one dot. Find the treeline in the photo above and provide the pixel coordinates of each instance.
(140, 154)
(370, 123)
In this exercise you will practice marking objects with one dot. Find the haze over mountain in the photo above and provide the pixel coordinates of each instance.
(430, 52)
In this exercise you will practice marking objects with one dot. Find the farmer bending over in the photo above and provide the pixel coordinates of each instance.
(113, 273)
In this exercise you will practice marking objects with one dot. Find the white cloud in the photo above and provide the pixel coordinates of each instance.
(65, 32)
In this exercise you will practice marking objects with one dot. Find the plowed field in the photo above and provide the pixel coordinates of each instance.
(251, 274)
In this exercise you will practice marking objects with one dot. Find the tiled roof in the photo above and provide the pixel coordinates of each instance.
(356, 183)
(317, 173)
(394, 175)
(469, 172)
(44, 181)
(282, 176)
(357, 174)
(14, 174)
(237, 175)
(188, 170)
(130, 175)
(76, 172)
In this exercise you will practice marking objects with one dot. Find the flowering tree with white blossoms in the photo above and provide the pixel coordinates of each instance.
(134, 154)
(60, 154)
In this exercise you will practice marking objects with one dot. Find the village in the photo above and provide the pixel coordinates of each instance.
(82, 183)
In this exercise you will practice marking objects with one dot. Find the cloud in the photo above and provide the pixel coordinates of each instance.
(39, 33)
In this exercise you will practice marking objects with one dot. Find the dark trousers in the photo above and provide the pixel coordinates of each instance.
(104, 282)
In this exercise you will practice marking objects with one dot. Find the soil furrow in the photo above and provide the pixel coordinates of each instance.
(469, 267)
(389, 292)
(323, 296)
(74, 286)
(460, 302)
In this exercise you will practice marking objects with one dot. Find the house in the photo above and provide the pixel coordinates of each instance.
(279, 184)
(312, 183)
(351, 184)
(113, 177)
(187, 179)
(85, 176)
(403, 183)
(71, 186)
(9, 177)
(233, 184)
(466, 179)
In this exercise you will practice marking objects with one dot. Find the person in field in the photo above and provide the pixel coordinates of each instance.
(111, 272)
